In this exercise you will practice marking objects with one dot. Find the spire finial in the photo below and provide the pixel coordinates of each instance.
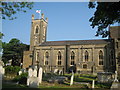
(42, 15)
(32, 16)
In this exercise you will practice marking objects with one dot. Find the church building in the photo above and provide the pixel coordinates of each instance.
(84, 56)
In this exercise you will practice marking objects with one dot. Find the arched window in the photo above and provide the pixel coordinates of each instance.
(59, 58)
(86, 56)
(72, 58)
(46, 58)
(100, 57)
(37, 56)
(85, 66)
(37, 29)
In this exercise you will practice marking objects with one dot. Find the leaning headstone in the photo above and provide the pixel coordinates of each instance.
(40, 75)
(93, 84)
(72, 77)
(55, 71)
(60, 72)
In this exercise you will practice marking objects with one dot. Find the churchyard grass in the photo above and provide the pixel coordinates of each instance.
(56, 85)
(11, 85)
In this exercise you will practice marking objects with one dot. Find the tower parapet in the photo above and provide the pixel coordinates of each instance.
(38, 31)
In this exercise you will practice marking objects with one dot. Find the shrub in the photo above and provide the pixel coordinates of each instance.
(22, 79)
(12, 70)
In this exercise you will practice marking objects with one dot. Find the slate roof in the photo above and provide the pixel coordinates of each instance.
(76, 42)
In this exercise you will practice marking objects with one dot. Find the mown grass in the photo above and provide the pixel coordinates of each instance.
(64, 85)
(5, 85)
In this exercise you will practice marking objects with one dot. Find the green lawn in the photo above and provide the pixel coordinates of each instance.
(6, 85)
(77, 78)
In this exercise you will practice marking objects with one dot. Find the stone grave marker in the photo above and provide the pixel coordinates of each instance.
(20, 72)
(72, 77)
(56, 70)
(40, 75)
(60, 72)
(33, 80)
(93, 83)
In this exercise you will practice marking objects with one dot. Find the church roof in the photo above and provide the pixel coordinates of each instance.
(76, 42)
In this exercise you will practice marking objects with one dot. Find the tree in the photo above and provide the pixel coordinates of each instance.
(106, 14)
(1, 35)
(14, 50)
(8, 9)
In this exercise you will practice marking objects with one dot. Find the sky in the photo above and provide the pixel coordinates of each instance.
(66, 21)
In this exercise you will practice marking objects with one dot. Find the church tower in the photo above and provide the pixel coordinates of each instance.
(38, 31)
(115, 35)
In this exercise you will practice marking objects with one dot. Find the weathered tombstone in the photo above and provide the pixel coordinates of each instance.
(33, 80)
(35, 72)
(115, 84)
(40, 75)
(105, 77)
(55, 71)
(30, 72)
(60, 72)
(20, 72)
(93, 84)
(72, 77)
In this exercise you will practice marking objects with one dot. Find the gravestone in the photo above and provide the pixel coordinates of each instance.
(115, 84)
(40, 75)
(105, 77)
(93, 83)
(33, 80)
(60, 72)
(72, 77)
(35, 72)
(20, 72)
(56, 70)
(30, 72)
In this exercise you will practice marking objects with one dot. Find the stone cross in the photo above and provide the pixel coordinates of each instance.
(72, 77)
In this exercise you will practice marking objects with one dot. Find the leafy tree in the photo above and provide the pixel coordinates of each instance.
(14, 50)
(8, 9)
(106, 14)
(1, 35)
